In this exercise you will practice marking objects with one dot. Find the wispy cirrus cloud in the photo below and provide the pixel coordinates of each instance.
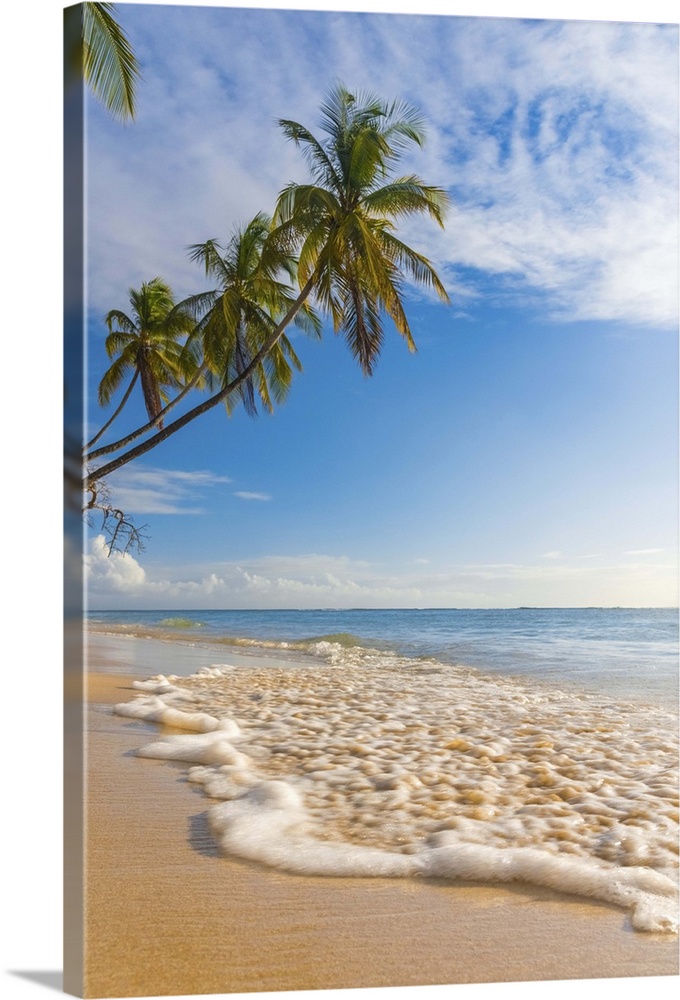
(643, 552)
(145, 490)
(564, 168)
(246, 495)
(559, 151)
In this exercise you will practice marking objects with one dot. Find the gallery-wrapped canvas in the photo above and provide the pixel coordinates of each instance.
(371, 625)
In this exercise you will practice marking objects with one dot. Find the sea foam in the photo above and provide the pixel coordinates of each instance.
(388, 767)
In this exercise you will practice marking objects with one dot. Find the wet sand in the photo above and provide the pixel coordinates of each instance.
(165, 914)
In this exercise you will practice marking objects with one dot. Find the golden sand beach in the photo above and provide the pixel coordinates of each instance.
(166, 914)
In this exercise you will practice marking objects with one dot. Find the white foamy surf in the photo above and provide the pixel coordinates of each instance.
(374, 765)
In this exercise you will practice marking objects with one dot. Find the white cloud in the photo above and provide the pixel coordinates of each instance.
(144, 490)
(564, 155)
(245, 495)
(112, 572)
(643, 552)
(558, 141)
(319, 581)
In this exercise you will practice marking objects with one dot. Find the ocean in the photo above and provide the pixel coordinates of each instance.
(528, 745)
(628, 653)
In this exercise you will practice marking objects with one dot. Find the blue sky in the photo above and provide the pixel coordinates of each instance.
(527, 454)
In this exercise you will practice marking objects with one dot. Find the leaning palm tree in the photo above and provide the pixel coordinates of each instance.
(343, 229)
(235, 318)
(148, 345)
(344, 223)
(230, 323)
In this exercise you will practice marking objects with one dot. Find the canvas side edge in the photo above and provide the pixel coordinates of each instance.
(74, 362)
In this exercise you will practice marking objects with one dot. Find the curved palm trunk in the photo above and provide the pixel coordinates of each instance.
(120, 407)
(117, 445)
(209, 404)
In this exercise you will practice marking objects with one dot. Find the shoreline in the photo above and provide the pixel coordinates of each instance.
(165, 913)
(328, 640)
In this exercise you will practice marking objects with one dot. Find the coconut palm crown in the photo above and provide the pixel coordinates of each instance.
(344, 223)
(148, 345)
(235, 318)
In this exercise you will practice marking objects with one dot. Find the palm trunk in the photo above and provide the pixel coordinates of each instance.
(150, 443)
(117, 445)
(111, 419)
(150, 391)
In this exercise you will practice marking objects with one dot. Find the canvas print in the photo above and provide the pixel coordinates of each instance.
(371, 514)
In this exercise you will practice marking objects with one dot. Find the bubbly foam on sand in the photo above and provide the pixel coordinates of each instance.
(395, 767)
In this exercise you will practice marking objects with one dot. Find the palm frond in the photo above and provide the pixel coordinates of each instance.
(197, 306)
(362, 326)
(210, 255)
(109, 64)
(121, 320)
(120, 343)
(407, 196)
(415, 264)
(322, 167)
(113, 379)
(309, 321)
(404, 125)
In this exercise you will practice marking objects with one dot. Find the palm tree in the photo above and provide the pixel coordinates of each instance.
(97, 49)
(147, 346)
(235, 318)
(344, 223)
(342, 227)
(230, 322)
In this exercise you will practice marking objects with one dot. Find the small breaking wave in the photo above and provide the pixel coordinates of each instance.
(340, 640)
(180, 623)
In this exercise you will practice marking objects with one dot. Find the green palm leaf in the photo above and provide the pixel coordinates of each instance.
(113, 379)
(109, 64)
(149, 343)
(341, 225)
(242, 311)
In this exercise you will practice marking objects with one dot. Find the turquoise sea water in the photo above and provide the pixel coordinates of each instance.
(624, 653)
